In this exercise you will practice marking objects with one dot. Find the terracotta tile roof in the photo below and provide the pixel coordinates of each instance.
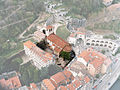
(80, 33)
(93, 57)
(77, 83)
(12, 82)
(62, 77)
(67, 48)
(76, 66)
(67, 73)
(62, 88)
(44, 56)
(49, 27)
(33, 85)
(59, 42)
(58, 78)
(83, 30)
(71, 86)
(57, 50)
(72, 35)
(76, 33)
(29, 44)
(87, 79)
(114, 7)
(49, 84)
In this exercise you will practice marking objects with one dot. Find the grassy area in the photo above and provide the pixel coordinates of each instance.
(110, 37)
(30, 74)
(10, 64)
(112, 25)
(63, 32)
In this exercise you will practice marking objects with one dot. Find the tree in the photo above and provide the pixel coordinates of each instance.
(65, 55)
(97, 75)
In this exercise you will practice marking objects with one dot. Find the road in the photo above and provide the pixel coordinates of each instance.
(6, 18)
(38, 20)
(109, 78)
(15, 23)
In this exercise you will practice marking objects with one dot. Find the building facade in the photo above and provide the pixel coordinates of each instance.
(46, 30)
(95, 61)
(38, 57)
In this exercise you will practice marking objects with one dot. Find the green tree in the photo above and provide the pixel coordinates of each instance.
(65, 55)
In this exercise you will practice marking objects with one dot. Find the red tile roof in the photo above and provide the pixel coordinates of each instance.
(62, 88)
(29, 44)
(45, 56)
(87, 79)
(49, 84)
(11, 83)
(59, 42)
(114, 7)
(62, 77)
(58, 78)
(33, 85)
(77, 83)
(71, 86)
(57, 50)
(93, 57)
(49, 27)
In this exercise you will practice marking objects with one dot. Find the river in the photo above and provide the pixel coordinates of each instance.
(116, 86)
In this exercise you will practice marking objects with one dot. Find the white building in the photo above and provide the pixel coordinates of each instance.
(39, 36)
(39, 57)
(102, 43)
(72, 39)
(95, 41)
(46, 30)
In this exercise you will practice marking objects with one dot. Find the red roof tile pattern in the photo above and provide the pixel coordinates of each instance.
(93, 57)
(62, 78)
(49, 85)
(33, 86)
(49, 27)
(45, 56)
(11, 83)
(71, 86)
(87, 79)
(59, 43)
(114, 7)
(62, 88)
(77, 83)
(29, 44)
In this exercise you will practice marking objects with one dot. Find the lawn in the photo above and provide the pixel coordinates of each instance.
(63, 32)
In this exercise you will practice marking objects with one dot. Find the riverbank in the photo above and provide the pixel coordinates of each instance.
(116, 85)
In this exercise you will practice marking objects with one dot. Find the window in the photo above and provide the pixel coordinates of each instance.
(44, 32)
(102, 41)
(88, 43)
(101, 44)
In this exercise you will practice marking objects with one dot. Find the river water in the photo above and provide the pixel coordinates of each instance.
(116, 86)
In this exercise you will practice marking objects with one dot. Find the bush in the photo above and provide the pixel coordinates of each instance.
(65, 55)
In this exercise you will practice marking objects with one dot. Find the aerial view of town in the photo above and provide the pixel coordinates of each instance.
(59, 44)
